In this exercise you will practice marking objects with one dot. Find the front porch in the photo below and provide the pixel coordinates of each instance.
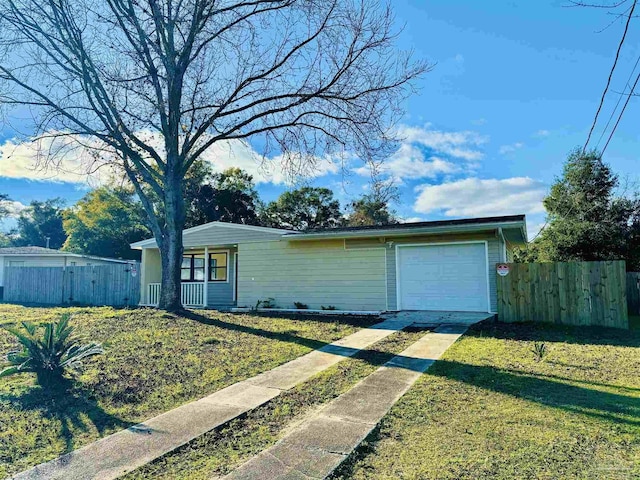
(208, 277)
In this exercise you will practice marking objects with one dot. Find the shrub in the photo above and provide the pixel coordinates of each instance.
(328, 307)
(301, 306)
(266, 303)
(48, 351)
(539, 351)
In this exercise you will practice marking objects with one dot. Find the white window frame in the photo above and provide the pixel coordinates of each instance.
(211, 252)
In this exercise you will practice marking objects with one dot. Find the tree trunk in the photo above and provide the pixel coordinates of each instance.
(171, 248)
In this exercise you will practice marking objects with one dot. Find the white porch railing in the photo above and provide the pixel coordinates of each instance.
(192, 294)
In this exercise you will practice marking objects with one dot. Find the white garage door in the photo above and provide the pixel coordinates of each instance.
(443, 277)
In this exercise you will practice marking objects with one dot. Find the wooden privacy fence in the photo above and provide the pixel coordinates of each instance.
(112, 284)
(574, 293)
(633, 292)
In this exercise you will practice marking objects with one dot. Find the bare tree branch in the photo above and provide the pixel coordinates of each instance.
(153, 84)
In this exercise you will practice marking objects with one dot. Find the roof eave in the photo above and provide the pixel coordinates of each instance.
(399, 232)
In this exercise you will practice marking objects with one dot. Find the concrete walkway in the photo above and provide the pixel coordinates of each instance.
(129, 449)
(434, 318)
(318, 446)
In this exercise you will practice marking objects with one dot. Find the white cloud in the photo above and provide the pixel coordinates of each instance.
(427, 153)
(505, 149)
(411, 219)
(409, 162)
(472, 197)
(14, 208)
(542, 133)
(63, 160)
(461, 145)
(48, 159)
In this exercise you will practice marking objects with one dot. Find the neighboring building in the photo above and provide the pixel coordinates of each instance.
(441, 265)
(46, 257)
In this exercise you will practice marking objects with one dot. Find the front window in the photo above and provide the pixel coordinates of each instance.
(218, 267)
(192, 268)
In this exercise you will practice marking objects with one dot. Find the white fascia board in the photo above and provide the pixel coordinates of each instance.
(399, 232)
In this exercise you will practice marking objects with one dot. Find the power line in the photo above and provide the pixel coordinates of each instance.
(615, 109)
(613, 67)
(621, 112)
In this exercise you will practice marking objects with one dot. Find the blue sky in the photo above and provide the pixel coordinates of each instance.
(515, 87)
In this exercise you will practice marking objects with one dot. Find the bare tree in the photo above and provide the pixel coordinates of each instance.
(152, 84)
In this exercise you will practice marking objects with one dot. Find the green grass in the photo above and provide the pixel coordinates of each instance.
(221, 451)
(489, 410)
(153, 362)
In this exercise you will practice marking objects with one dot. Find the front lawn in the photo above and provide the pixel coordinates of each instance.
(220, 451)
(488, 409)
(153, 362)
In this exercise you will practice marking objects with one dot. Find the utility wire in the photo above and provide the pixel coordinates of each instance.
(621, 112)
(627, 84)
(613, 67)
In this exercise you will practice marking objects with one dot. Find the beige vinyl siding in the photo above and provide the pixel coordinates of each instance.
(354, 243)
(494, 252)
(316, 273)
(150, 271)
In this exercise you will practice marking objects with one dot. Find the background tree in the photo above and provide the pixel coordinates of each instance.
(369, 211)
(303, 209)
(104, 222)
(39, 222)
(5, 211)
(151, 85)
(586, 218)
(374, 208)
(229, 196)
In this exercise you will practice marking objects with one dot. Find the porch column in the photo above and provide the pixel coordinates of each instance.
(205, 294)
(143, 282)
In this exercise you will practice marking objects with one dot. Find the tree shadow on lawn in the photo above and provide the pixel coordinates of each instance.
(346, 319)
(407, 363)
(549, 332)
(280, 336)
(70, 404)
(613, 407)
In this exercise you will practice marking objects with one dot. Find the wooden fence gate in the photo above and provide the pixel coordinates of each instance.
(573, 293)
(91, 285)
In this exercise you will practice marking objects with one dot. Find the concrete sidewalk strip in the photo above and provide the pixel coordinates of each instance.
(318, 446)
(124, 451)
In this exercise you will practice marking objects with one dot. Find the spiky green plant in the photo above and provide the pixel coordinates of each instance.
(48, 351)
(539, 351)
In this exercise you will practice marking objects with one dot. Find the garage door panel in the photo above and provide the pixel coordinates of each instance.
(443, 277)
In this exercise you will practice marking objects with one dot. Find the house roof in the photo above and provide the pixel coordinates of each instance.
(50, 252)
(151, 242)
(514, 227)
(511, 222)
(30, 251)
